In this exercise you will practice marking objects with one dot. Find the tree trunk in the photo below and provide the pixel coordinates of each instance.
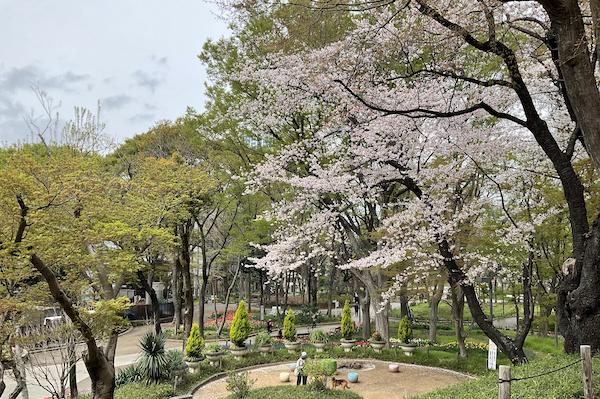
(381, 316)
(151, 293)
(72, 351)
(330, 290)
(184, 260)
(19, 374)
(176, 287)
(434, 302)
(458, 315)
(237, 271)
(365, 305)
(2, 384)
(202, 300)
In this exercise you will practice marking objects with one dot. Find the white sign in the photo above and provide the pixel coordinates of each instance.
(492, 354)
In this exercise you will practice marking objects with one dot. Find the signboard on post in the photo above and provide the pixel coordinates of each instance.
(492, 354)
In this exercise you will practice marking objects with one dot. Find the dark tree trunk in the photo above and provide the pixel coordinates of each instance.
(184, 260)
(202, 300)
(237, 272)
(176, 289)
(153, 301)
(73, 389)
(330, 290)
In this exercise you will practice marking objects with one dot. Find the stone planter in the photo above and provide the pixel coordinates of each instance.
(193, 364)
(238, 351)
(377, 345)
(347, 344)
(264, 349)
(319, 346)
(408, 349)
(215, 357)
(292, 346)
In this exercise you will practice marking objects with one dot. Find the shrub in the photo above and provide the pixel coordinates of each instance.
(153, 365)
(318, 336)
(318, 371)
(329, 366)
(240, 328)
(175, 362)
(289, 326)
(213, 348)
(128, 375)
(263, 339)
(239, 384)
(405, 331)
(376, 336)
(347, 324)
(194, 344)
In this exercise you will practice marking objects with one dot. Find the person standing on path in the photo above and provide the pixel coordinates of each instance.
(299, 370)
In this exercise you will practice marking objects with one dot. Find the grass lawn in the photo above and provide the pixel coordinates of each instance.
(421, 311)
(564, 384)
(294, 392)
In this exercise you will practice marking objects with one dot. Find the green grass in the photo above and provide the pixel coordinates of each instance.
(294, 392)
(421, 311)
(565, 384)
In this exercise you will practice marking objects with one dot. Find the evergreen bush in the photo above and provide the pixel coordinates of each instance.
(347, 324)
(289, 326)
(194, 344)
(405, 332)
(240, 328)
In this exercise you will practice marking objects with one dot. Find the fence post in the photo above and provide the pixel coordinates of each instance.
(504, 382)
(586, 366)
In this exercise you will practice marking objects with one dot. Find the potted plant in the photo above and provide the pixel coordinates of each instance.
(405, 334)
(214, 353)
(239, 331)
(319, 339)
(263, 342)
(289, 331)
(377, 342)
(347, 340)
(193, 349)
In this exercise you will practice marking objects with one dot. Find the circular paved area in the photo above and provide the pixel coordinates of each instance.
(373, 384)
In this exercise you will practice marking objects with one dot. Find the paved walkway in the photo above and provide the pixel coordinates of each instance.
(376, 383)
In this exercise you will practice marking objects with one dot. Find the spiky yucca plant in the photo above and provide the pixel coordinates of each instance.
(153, 364)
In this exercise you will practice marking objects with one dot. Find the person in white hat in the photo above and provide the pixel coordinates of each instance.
(299, 370)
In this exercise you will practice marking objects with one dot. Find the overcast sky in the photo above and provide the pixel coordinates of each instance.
(138, 57)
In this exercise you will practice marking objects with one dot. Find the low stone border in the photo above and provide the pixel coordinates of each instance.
(222, 374)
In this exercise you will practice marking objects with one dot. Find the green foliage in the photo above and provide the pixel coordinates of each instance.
(564, 384)
(301, 392)
(175, 362)
(405, 331)
(315, 369)
(239, 384)
(289, 326)
(153, 364)
(194, 344)
(347, 324)
(329, 366)
(138, 390)
(213, 348)
(318, 336)
(240, 327)
(263, 339)
(128, 375)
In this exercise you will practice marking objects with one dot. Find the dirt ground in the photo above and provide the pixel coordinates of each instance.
(373, 384)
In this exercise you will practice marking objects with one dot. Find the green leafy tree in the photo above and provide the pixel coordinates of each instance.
(405, 332)
(194, 344)
(347, 324)
(289, 326)
(240, 328)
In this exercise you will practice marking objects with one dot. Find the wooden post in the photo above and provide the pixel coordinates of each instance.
(504, 382)
(586, 366)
